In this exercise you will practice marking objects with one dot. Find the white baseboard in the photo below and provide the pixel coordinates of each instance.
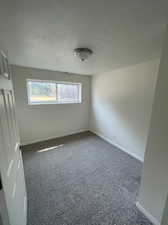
(116, 145)
(79, 131)
(52, 137)
(147, 214)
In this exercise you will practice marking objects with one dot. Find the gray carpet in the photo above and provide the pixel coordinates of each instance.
(84, 181)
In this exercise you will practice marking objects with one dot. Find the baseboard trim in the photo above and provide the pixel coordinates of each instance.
(116, 145)
(80, 131)
(147, 214)
(52, 137)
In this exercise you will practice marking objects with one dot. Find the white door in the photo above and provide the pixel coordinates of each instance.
(11, 164)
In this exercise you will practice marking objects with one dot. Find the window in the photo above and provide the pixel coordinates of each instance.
(50, 92)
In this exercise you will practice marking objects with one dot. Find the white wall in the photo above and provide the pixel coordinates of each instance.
(121, 105)
(154, 186)
(165, 214)
(40, 122)
(4, 219)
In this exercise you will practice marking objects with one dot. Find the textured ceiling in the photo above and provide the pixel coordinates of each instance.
(43, 33)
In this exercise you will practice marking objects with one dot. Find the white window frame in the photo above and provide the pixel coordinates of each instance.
(53, 102)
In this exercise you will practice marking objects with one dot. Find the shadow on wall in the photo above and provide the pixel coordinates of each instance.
(1, 220)
(3, 211)
(118, 128)
(122, 105)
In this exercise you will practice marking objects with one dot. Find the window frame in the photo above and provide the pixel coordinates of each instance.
(53, 102)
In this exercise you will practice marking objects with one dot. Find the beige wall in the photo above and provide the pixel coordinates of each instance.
(40, 122)
(121, 105)
(154, 187)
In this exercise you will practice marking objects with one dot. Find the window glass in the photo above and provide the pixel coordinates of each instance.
(41, 91)
(68, 93)
(46, 92)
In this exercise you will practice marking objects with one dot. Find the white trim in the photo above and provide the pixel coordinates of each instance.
(25, 204)
(53, 103)
(10, 167)
(16, 146)
(52, 137)
(19, 164)
(14, 190)
(118, 146)
(80, 131)
(147, 214)
(53, 81)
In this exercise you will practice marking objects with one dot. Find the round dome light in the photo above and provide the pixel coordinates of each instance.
(83, 53)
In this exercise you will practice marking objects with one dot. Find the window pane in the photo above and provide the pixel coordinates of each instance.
(41, 91)
(68, 92)
(50, 92)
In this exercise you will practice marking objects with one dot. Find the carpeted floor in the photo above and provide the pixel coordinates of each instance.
(83, 181)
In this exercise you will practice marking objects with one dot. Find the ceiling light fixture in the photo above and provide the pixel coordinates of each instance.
(83, 53)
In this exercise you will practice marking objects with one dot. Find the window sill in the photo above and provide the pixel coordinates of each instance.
(53, 103)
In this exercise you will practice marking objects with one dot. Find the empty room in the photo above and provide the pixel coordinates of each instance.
(83, 112)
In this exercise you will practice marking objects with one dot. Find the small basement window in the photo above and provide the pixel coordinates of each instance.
(52, 92)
